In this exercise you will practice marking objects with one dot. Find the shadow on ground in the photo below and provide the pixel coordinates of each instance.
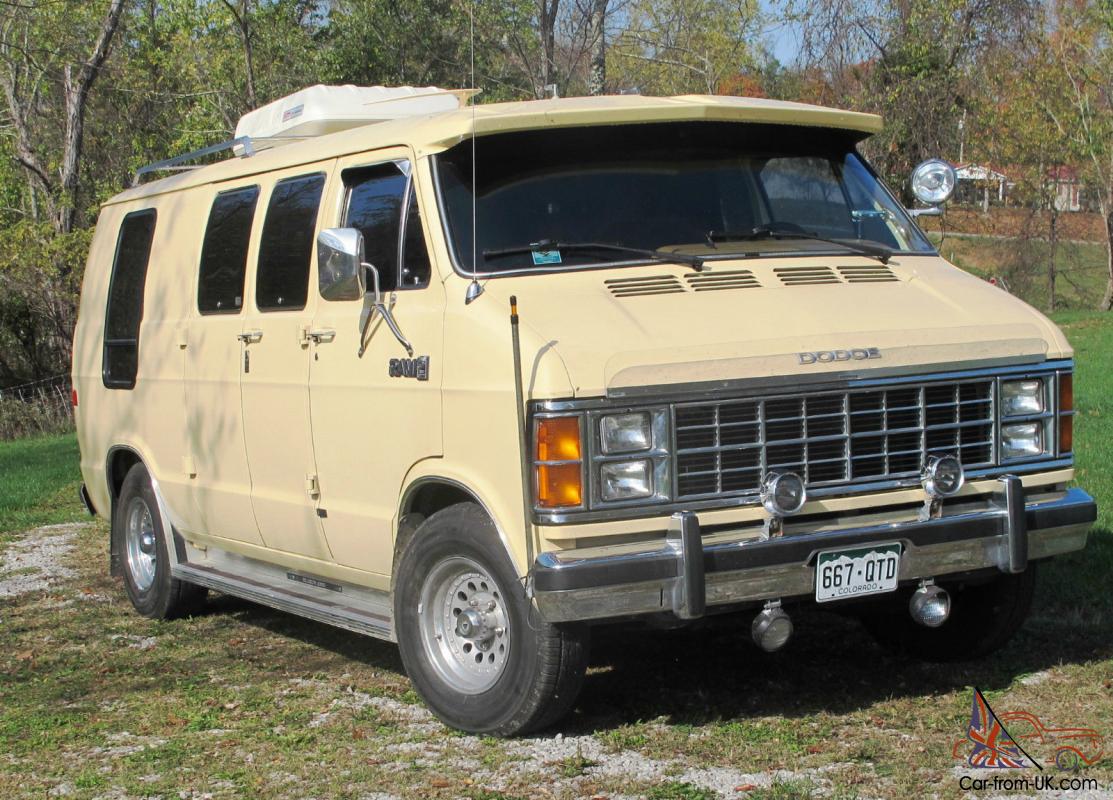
(714, 672)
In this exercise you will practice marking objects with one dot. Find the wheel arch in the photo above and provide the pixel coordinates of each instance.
(429, 494)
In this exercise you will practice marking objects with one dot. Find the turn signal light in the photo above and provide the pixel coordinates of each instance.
(559, 485)
(558, 457)
(1066, 412)
(558, 439)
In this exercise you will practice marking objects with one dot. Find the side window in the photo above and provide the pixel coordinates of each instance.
(124, 311)
(282, 280)
(374, 207)
(224, 251)
(415, 257)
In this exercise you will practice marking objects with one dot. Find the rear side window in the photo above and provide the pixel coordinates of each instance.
(282, 281)
(374, 207)
(224, 251)
(125, 300)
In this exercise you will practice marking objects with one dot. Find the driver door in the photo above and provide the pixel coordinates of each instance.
(376, 413)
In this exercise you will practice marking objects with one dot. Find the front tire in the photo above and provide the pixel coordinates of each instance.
(471, 642)
(983, 618)
(143, 544)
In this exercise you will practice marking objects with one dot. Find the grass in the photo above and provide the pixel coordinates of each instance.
(39, 480)
(1082, 267)
(241, 701)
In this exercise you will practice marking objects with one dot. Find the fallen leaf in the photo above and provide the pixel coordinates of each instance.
(25, 655)
(439, 783)
(359, 733)
(746, 787)
(814, 748)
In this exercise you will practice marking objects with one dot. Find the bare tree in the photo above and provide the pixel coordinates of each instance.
(24, 77)
(597, 34)
(241, 13)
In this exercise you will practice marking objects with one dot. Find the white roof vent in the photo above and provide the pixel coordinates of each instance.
(326, 109)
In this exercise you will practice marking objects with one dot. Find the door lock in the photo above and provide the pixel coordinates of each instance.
(320, 335)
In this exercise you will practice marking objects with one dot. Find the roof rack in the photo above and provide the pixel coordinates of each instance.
(182, 162)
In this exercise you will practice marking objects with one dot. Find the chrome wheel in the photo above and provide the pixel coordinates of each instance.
(465, 629)
(142, 550)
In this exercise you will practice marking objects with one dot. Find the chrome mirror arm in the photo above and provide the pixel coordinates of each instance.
(387, 313)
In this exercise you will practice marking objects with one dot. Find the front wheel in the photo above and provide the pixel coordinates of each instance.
(984, 616)
(471, 642)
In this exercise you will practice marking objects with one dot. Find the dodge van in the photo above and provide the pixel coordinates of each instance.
(476, 379)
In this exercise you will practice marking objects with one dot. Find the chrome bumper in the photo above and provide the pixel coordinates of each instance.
(1004, 534)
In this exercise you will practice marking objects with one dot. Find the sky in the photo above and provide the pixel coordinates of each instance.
(782, 37)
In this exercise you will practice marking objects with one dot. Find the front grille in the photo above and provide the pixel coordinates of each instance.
(831, 438)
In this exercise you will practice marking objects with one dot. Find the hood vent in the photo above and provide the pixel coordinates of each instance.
(872, 273)
(797, 276)
(645, 285)
(714, 281)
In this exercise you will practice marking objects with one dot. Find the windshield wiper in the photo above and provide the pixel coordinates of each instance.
(548, 245)
(878, 251)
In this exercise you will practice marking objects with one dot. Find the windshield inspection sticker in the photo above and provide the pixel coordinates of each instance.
(542, 257)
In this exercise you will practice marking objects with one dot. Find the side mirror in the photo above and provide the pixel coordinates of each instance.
(340, 264)
(933, 182)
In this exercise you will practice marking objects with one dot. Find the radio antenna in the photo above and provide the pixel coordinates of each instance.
(474, 288)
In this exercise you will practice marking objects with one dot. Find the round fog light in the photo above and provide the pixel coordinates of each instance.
(942, 476)
(783, 493)
(772, 628)
(930, 606)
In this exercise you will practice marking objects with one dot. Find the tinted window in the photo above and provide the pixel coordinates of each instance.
(125, 299)
(415, 257)
(282, 281)
(224, 252)
(374, 207)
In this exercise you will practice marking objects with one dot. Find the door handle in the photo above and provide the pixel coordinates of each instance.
(321, 335)
(250, 337)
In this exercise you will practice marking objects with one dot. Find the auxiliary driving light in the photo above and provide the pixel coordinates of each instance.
(942, 476)
(772, 628)
(783, 493)
(930, 606)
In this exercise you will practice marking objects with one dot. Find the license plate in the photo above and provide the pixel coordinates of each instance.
(843, 574)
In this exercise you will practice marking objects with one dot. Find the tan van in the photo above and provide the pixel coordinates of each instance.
(738, 378)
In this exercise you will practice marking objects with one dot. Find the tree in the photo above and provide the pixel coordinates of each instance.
(1083, 53)
(28, 72)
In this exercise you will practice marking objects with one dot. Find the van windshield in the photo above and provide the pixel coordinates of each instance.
(712, 189)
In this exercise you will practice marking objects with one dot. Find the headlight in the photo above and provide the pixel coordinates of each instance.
(625, 433)
(1022, 397)
(1022, 440)
(625, 480)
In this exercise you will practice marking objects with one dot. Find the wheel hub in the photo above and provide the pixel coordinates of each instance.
(139, 542)
(464, 625)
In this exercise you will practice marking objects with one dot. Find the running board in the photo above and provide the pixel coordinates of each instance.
(343, 605)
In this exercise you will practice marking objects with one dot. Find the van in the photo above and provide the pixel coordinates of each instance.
(478, 379)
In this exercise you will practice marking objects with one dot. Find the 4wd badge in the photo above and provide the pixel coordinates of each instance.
(410, 368)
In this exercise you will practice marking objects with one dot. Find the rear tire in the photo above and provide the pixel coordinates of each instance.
(983, 618)
(143, 553)
(471, 641)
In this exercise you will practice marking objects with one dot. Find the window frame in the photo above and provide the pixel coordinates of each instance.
(323, 174)
(405, 166)
(106, 343)
(247, 252)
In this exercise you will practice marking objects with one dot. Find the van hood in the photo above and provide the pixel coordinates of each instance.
(621, 332)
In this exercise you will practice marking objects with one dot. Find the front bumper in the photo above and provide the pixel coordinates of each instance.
(689, 573)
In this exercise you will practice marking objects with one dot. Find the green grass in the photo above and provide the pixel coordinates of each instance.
(39, 480)
(1081, 266)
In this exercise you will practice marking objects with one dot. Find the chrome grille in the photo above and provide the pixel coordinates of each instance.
(831, 438)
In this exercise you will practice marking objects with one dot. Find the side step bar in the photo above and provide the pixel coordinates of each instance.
(354, 608)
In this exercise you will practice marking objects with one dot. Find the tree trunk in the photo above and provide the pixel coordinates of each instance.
(547, 31)
(1107, 212)
(76, 90)
(1052, 248)
(597, 80)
